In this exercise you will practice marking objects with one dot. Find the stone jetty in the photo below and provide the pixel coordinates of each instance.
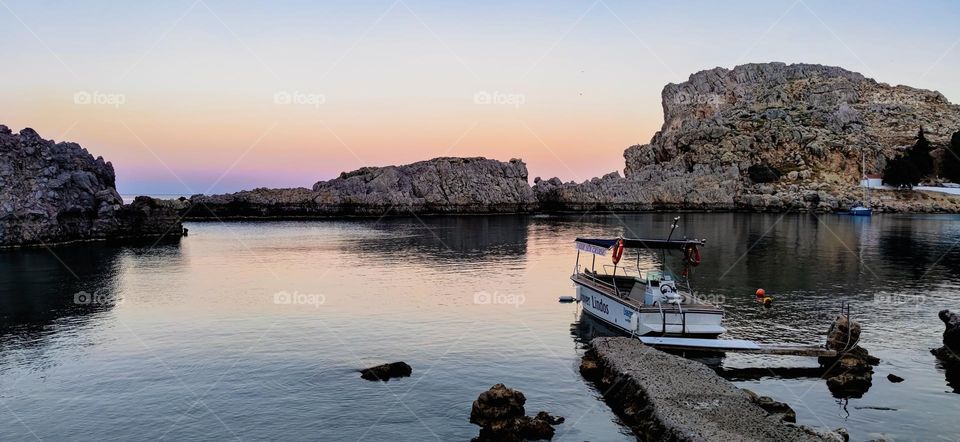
(666, 397)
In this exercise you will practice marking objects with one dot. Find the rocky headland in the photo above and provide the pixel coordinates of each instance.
(437, 186)
(55, 193)
(758, 137)
(770, 137)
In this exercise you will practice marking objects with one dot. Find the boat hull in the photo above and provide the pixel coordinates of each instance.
(649, 319)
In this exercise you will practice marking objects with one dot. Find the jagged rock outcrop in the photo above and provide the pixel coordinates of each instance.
(440, 185)
(57, 192)
(773, 137)
(850, 373)
(501, 416)
(949, 353)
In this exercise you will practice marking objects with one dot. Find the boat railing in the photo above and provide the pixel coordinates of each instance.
(593, 277)
(683, 317)
(627, 271)
(663, 317)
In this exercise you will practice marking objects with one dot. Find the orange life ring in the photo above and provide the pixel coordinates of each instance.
(617, 252)
(692, 255)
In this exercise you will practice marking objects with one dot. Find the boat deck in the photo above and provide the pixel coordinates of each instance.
(624, 290)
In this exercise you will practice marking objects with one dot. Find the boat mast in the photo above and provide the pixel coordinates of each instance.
(864, 179)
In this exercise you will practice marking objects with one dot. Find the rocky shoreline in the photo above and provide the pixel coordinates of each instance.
(57, 193)
(765, 137)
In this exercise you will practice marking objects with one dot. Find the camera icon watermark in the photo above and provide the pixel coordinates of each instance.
(299, 98)
(99, 297)
(497, 298)
(499, 98)
(99, 98)
(284, 297)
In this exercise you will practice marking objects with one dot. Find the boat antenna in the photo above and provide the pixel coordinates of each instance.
(673, 227)
(663, 253)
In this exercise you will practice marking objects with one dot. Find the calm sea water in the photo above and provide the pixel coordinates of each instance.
(257, 330)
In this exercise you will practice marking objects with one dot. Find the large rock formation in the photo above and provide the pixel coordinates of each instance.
(440, 185)
(57, 192)
(769, 137)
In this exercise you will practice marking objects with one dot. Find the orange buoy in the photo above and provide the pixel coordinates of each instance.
(761, 293)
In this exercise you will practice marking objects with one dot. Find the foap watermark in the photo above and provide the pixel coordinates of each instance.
(497, 298)
(712, 298)
(689, 99)
(500, 98)
(98, 297)
(299, 98)
(899, 299)
(284, 297)
(894, 100)
(99, 98)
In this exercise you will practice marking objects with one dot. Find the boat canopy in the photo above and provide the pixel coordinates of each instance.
(599, 246)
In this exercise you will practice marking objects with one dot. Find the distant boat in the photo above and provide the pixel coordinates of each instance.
(860, 210)
(863, 208)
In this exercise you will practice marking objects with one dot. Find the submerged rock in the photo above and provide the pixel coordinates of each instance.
(894, 378)
(501, 416)
(385, 372)
(58, 192)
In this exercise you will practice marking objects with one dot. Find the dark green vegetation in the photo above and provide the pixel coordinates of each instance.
(950, 168)
(915, 164)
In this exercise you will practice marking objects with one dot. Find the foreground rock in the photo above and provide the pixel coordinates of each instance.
(950, 350)
(850, 374)
(500, 414)
(781, 410)
(386, 371)
(666, 397)
(437, 186)
(53, 193)
(770, 137)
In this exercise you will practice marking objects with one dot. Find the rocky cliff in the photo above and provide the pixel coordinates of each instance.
(769, 137)
(57, 192)
(440, 185)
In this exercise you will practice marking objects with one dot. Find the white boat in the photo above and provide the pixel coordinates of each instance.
(638, 303)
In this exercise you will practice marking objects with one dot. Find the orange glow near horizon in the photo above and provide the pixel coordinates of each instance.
(225, 96)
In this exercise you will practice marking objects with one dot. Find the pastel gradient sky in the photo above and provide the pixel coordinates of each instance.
(394, 81)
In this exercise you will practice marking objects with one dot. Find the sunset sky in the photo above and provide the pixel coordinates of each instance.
(206, 96)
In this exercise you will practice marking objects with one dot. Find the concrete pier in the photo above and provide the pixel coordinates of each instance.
(666, 397)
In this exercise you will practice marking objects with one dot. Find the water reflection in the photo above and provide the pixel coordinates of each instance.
(446, 238)
(405, 289)
(48, 291)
